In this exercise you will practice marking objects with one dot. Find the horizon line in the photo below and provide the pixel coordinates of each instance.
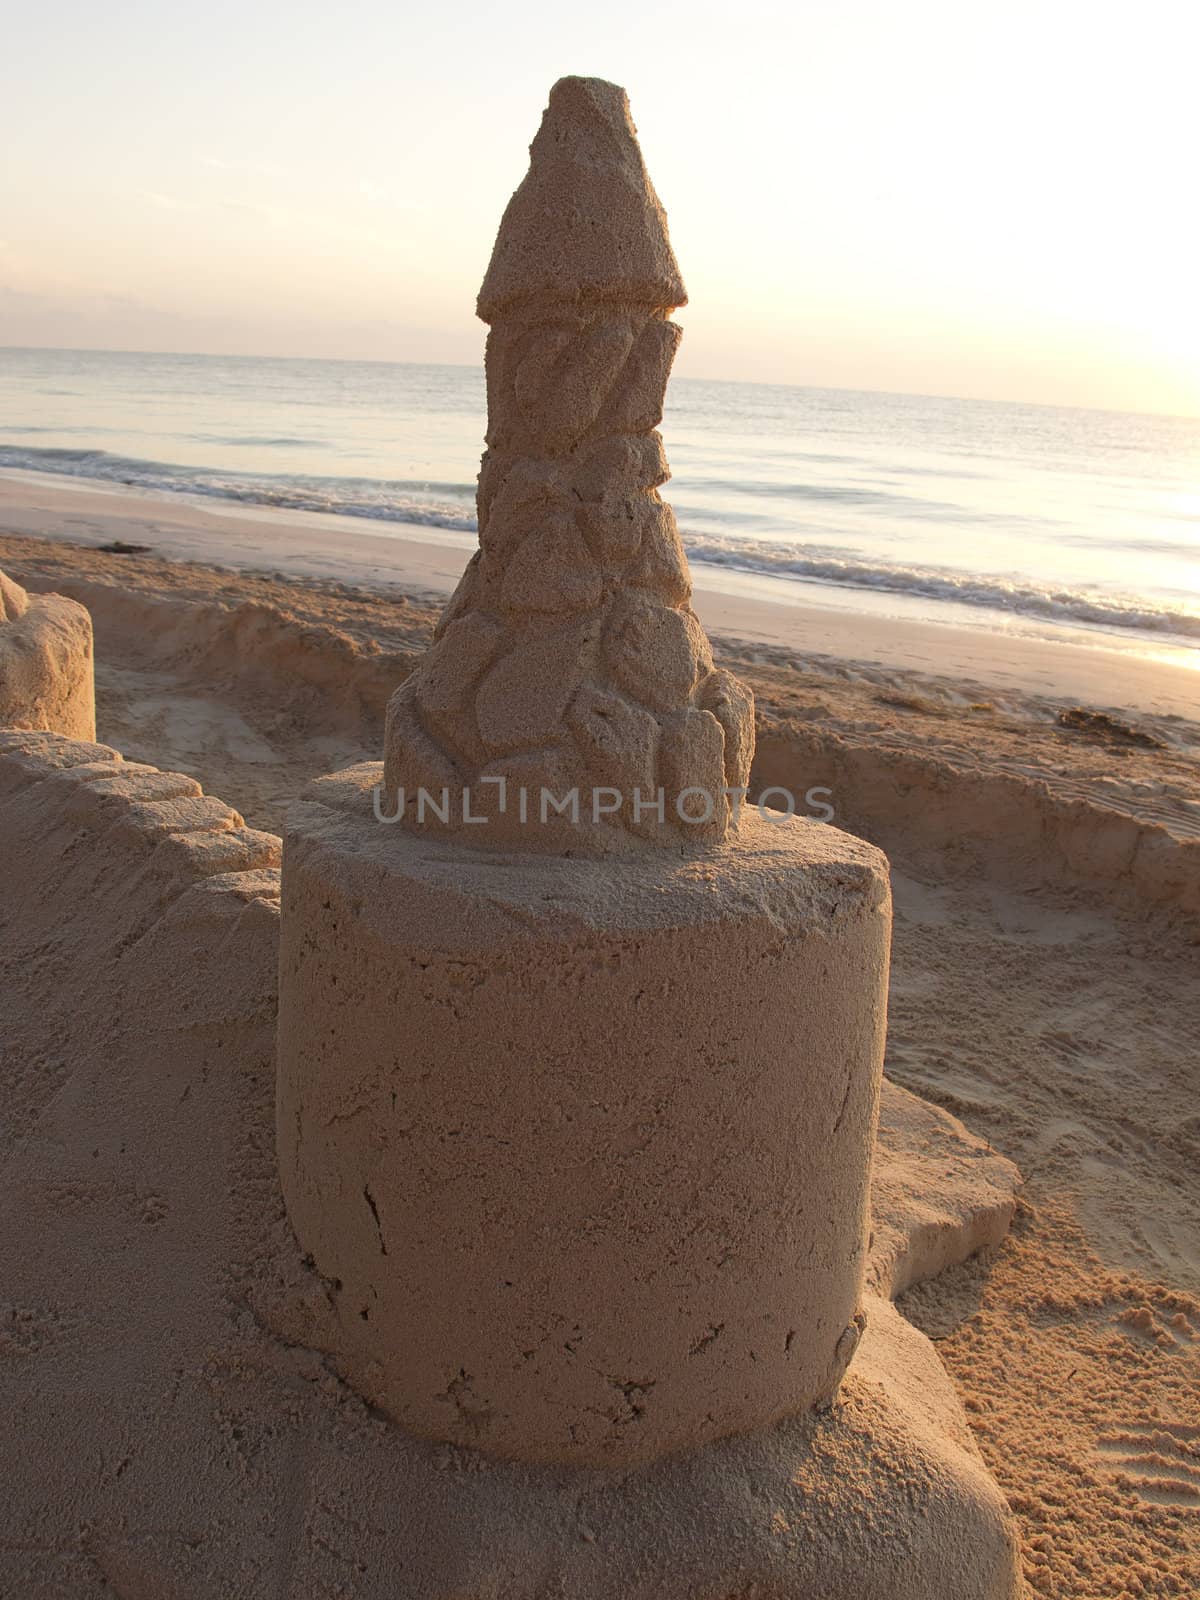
(472, 366)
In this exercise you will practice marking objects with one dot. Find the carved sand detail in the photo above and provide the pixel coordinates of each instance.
(569, 657)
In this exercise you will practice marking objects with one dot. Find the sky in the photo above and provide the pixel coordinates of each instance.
(952, 197)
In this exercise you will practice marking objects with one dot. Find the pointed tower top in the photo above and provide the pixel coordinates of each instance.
(586, 224)
(569, 670)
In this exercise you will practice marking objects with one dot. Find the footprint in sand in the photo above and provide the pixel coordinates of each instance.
(1158, 1461)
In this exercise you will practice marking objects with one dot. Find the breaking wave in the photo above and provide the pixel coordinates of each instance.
(451, 506)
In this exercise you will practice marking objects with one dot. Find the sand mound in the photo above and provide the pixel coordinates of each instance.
(45, 663)
(14, 602)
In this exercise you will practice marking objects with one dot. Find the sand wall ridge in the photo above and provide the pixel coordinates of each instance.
(569, 656)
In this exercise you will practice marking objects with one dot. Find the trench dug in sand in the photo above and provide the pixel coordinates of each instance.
(1044, 989)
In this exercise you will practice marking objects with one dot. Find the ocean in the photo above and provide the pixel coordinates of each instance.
(1006, 516)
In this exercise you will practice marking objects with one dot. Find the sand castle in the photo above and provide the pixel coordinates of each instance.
(141, 928)
(574, 1112)
(618, 1209)
(46, 677)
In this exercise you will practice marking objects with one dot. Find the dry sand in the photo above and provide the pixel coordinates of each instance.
(1045, 989)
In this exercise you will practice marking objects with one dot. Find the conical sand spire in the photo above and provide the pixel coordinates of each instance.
(586, 223)
(568, 659)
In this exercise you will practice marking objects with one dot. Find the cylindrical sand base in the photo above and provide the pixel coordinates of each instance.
(581, 1146)
(46, 670)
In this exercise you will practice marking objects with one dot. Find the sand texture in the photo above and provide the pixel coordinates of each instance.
(582, 1145)
(1076, 1351)
(14, 602)
(45, 663)
(585, 224)
(569, 656)
(259, 682)
(197, 1453)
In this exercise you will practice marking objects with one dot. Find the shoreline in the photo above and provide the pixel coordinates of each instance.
(820, 624)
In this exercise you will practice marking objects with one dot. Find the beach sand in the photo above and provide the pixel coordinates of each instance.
(1046, 868)
(810, 622)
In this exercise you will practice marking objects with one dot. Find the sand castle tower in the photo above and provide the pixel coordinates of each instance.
(46, 663)
(569, 656)
(578, 1059)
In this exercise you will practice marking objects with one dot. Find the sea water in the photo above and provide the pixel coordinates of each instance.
(922, 506)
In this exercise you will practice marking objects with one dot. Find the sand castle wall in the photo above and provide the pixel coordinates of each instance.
(45, 663)
(1021, 830)
(122, 887)
(332, 682)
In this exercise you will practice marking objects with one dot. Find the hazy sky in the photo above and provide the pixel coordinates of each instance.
(944, 196)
